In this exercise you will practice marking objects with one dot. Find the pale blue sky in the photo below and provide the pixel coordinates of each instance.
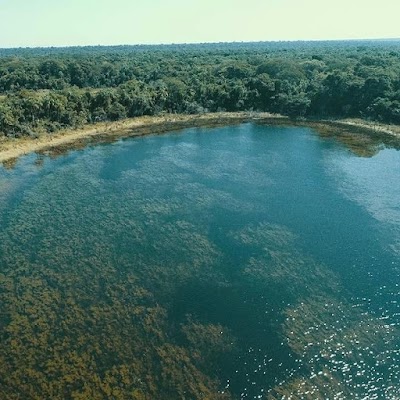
(91, 22)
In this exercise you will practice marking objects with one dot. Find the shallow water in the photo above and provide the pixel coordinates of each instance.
(243, 262)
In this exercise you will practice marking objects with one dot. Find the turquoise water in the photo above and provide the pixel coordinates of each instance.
(243, 262)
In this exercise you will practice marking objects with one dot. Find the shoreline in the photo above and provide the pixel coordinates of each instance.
(62, 141)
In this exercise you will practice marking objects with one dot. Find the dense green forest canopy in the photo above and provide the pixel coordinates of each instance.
(46, 89)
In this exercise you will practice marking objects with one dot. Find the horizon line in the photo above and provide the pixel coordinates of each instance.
(393, 39)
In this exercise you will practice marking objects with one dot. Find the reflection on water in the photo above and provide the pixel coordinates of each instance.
(248, 262)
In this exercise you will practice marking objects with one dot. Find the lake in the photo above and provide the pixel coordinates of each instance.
(238, 262)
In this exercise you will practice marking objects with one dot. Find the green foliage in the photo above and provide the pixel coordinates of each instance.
(48, 89)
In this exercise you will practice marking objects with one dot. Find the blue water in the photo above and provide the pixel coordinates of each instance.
(247, 261)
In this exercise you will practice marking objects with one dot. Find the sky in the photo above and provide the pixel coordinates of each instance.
(32, 23)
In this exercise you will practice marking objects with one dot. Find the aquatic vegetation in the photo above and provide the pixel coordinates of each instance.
(151, 269)
(343, 345)
(279, 265)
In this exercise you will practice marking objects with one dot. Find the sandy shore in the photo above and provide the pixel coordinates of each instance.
(375, 127)
(11, 149)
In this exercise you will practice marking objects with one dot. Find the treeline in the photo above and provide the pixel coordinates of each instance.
(49, 89)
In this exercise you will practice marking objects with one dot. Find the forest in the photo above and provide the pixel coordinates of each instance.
(48, 89)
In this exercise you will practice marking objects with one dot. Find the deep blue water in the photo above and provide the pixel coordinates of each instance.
(238, 262)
